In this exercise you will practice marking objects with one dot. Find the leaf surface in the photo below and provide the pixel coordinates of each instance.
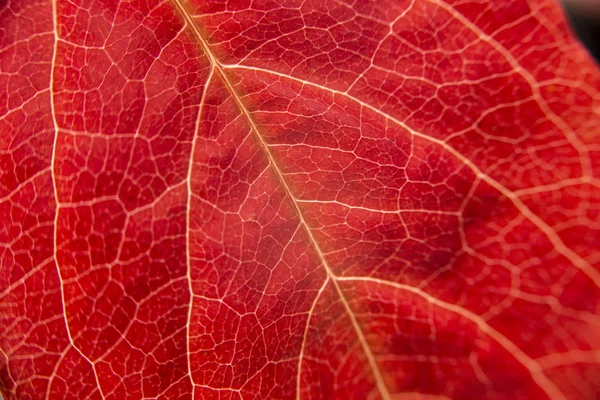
(301, 199)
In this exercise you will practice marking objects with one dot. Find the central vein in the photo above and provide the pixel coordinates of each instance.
(218, 67)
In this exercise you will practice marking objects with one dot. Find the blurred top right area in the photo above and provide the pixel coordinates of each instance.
(585, 19)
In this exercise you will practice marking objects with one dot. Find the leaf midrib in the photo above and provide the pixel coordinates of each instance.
(218, 67)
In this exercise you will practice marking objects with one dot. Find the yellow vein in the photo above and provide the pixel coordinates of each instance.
(371, 359)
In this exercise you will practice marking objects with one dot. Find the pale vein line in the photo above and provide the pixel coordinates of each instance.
(3, 389)
(23, 280)
(305, 335)
(534, 368)
(55, 189)
(379, 211)
(22, 106)
(555, 186)
(188, 231)
(55, 371)
(556, 241)
(570, 357)
(24, 183)
(371, 359)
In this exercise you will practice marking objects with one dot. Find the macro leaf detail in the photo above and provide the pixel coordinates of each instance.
(317, 199)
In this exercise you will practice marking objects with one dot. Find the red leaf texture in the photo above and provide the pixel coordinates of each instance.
(298, 199)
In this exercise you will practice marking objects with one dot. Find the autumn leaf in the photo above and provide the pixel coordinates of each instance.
(316, 199)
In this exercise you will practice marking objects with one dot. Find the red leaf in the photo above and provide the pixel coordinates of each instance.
(302, 199)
